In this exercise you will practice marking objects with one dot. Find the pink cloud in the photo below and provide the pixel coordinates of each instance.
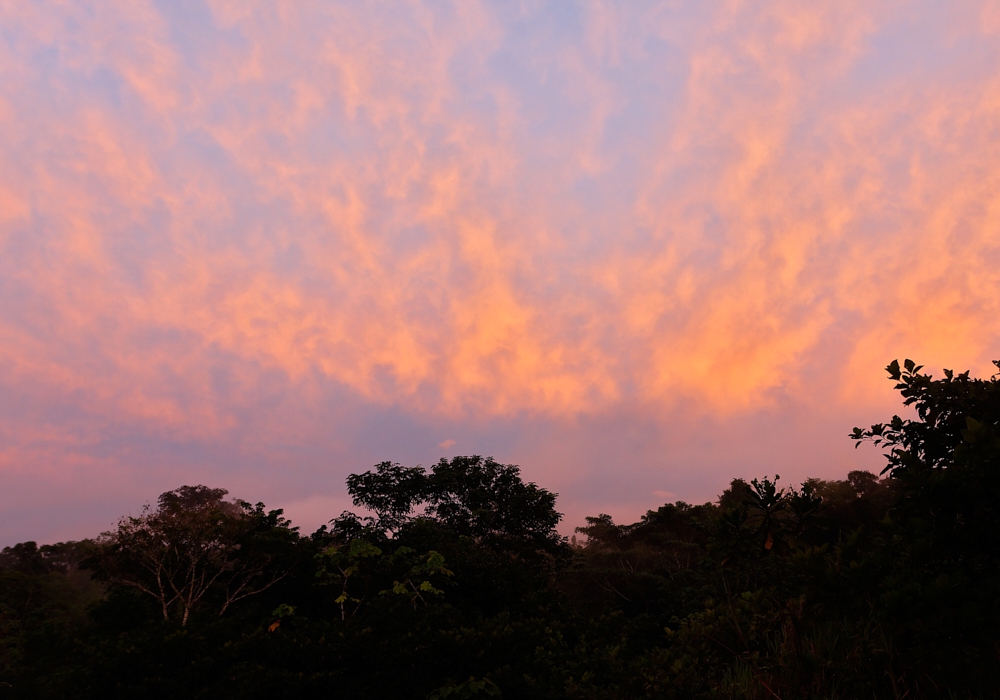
(474, 213)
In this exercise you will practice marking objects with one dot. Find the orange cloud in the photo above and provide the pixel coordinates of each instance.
(445, 212)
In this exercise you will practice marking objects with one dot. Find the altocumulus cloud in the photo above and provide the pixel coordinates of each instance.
(238, 239)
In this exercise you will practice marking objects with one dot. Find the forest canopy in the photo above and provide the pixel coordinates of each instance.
(453, 582)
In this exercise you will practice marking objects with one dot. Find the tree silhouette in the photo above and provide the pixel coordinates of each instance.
(196, 543)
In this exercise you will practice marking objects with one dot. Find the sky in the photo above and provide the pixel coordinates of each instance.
(636, 248)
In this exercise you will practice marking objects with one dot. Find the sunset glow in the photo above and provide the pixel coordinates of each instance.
(636, 248)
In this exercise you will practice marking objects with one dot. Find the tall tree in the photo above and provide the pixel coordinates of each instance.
(194, 547)
(942, 569)
(472, 496)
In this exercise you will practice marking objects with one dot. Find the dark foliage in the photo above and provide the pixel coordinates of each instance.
(456, 584)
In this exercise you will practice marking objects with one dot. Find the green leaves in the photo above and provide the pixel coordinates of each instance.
(359, 566)
(468, 689)
(429, 566)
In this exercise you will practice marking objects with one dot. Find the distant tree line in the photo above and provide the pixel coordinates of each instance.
(453, 582)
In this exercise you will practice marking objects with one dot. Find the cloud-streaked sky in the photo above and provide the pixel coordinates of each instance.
(636, 248)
